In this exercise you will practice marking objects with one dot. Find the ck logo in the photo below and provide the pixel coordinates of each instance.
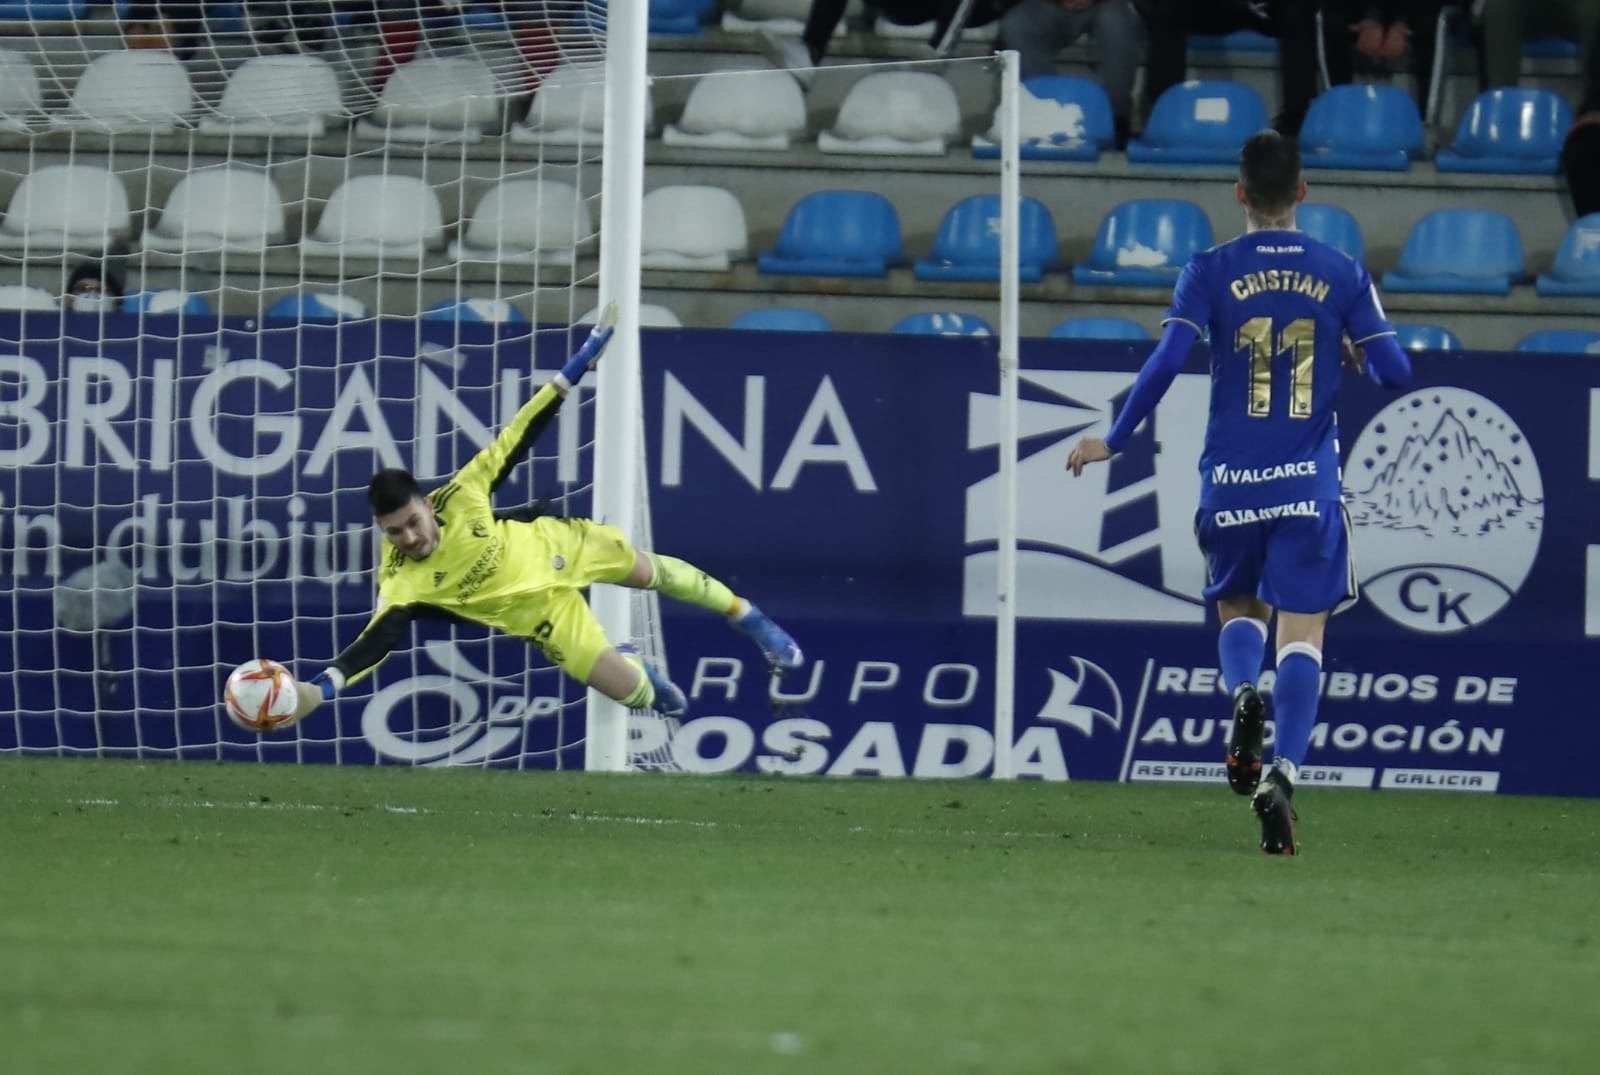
(1448, 506)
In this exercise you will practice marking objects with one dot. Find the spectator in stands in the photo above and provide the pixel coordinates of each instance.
(174, 28)
(289, 26)
(1381, 35)
(1038, 29)
(402, 25)
(1509, 24)
(1580, 157)
(1170, 23)
(93, 286)
(799, 57)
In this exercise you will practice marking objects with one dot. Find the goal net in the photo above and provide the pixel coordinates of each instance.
(247, 258)
(244, 268)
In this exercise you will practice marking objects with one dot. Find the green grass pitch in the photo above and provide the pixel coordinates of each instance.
(192, 917)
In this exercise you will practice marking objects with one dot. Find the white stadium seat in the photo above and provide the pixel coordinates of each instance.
(132, 91)
(650, 316)
(222, 208)
(923, 31)
(693, 227)
(569, 108)
(379, 216)
(19, 297)
(525, 221)
(778, 17)
(741, 110)
(430, 99)
(21, 100)
(895, 112)
(65, 207)
(278, 95)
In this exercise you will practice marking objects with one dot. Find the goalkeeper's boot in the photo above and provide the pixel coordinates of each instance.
(781, 651)
(670, 701)
(1273, 804)
(1246, 744)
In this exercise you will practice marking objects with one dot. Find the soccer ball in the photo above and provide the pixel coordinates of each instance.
(260, 696)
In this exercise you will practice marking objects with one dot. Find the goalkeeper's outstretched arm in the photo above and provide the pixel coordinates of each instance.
(485, 470)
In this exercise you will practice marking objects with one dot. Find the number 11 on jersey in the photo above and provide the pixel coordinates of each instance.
(1298, 340)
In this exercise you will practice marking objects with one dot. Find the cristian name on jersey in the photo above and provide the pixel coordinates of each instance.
(1277, 305)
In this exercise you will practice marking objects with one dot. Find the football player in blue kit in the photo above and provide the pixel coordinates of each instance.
(1284, 313)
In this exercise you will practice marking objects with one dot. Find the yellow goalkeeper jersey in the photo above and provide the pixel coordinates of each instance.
(485, 568)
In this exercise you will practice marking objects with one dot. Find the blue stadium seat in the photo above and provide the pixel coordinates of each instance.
(1238, 41)
(1510, 131)
(1560, 341)
(44, 10)
(1371, 127)
(1577, 267)
(1200, 123)
(967, 246)
(1145, 243)
(679, 17)
(476, 312)
(837, 233)
(1334, 226)
(1460, 251)
(1073, 122)
(1552, 48)
(1426, 338)
(943, 324)
(782, 320)
(1099, 328)
(316, 306)
(168, 301)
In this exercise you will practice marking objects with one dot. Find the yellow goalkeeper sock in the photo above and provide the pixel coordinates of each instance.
(683, 581)
(644, 695)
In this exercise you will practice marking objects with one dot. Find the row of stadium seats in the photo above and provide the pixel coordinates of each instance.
(1371, 127)
(328, 307)
(1145, 242)
(890, 112)
(1140, 243)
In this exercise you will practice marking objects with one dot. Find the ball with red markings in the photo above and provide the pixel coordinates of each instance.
(260, 696)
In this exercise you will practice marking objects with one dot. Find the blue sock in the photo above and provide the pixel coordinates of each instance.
(1242, 645)
(1294, 698)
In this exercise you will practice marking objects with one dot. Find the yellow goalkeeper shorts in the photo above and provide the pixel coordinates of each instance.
(586, 552)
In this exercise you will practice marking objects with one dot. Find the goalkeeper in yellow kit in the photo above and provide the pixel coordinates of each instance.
(450, 556)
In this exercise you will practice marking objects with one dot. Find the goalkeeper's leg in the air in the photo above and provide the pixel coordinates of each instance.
(684, 582)
(574, 639)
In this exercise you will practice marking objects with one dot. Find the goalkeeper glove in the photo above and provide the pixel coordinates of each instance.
(589, 353)
(321, 689)
(323, 681)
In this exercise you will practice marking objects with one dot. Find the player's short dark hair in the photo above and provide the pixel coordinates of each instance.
(392, 489)
(1269, 168)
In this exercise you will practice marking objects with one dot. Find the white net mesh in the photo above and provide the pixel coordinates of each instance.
(345, 236)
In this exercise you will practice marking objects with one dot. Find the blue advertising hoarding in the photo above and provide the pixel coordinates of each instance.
(175, 507)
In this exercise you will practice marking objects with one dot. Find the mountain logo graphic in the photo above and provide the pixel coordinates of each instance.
(1448, 507)
(1078, 700)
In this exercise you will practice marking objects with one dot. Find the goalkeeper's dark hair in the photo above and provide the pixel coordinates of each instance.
(1269, 168)
(392, 489)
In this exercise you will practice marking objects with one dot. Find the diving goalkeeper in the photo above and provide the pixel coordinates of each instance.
(451, 556)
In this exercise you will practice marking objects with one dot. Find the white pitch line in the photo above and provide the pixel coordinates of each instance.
(516, 815)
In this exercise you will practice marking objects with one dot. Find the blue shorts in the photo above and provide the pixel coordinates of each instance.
(1295, 557)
